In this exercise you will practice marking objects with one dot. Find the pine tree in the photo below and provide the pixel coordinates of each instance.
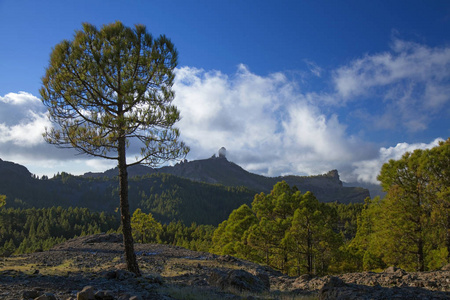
(366, 246)
(2, 200)
(107, 88)
(406, 211)
(436, 165)
(311, 236)
(410, 226)
(145, 227)
(228, 238)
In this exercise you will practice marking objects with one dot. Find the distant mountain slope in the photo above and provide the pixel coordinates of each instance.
(166, 196)
(374, 189)
(218, 170)
(202, 191)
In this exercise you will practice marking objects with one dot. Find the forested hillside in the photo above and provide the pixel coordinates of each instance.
(30, 230)
(167, 197)
(218, 170)
(35, 230)
(216, 187)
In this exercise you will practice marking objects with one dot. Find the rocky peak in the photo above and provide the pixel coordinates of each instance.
(333, 174)
(10, 169)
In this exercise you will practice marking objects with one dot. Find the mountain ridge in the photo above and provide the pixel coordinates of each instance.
(203, 191)
(218, 170)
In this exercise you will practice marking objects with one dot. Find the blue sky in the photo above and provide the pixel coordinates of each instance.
(288, 87)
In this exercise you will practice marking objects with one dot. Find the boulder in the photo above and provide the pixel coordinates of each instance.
(396, 271)
(87, 293)
(46, 296)
(240, 280)
(31, 294)
(104, 295)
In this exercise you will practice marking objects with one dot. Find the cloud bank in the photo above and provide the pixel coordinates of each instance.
(368, 170)
(23, 120)
(266, 123)
(410, 83)
(272, 127)
(271, 124)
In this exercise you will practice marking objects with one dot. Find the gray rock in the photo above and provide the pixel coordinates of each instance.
(226, 258)
(88, 293)
(335, 288)
(104, 238)
(396, 271)
(238, 279)
(304, 277)
(104, 295)
(154, 279)
(46, 296)
(123, 275)
(31, 294)
(109, 274)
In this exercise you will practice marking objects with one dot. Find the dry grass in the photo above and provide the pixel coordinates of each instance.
(19, 264)
(181, 266)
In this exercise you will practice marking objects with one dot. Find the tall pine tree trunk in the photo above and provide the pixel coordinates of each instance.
(420, 256)
(130, 256)
(447, 237)
(309, 252)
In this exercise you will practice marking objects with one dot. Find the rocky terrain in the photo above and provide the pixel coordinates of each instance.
(92, 267)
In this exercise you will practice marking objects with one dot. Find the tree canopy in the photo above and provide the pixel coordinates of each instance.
(284, 229)
(145, 228)
(2, 200)
(109, 91)
(110, 84)
(410, 227)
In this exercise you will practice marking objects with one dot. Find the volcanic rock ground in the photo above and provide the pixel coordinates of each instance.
(176, 273)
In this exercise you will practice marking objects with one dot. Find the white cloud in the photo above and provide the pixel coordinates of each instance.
(410, 83)
(22, 120)
(218, 111)
(99, 164)
(75, 165)
(19, 98)
(27, 133)
(368, 170)
(267, 125)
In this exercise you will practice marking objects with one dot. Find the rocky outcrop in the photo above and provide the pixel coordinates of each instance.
(240, 280)
(438, 281)
(336, 288)
(434, 280)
